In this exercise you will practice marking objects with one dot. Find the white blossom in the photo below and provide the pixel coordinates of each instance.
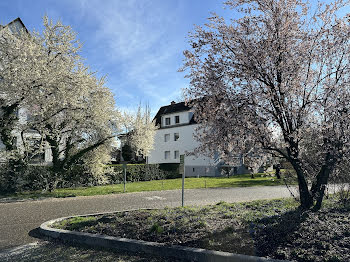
(69, 106)
(276, 79)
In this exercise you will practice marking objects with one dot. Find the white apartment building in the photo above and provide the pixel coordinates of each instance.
(175, 137)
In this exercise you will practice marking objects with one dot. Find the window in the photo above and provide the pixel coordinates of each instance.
(166, 137)
(167, 121)
(176, 136)
(177, 119)
(167, 154)
(176, 154)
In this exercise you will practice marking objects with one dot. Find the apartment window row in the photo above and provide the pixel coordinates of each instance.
(168, 120)
(167, 154)
(167, 137)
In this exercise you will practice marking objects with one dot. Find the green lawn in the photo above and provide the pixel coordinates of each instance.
(155, 185)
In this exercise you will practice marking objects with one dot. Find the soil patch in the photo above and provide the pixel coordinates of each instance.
(271, 228)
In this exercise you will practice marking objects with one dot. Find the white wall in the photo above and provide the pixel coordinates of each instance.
(185, 143)
(185, 118)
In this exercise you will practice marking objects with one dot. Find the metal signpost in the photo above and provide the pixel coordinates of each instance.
(182, 170)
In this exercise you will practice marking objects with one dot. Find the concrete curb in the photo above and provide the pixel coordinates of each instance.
(153, 248)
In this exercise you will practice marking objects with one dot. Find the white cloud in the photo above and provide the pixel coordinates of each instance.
(129, 28)
(138, 38)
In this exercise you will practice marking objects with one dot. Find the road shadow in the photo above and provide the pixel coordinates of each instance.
(36, 233)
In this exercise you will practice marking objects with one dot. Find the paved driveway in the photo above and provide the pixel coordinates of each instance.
(18, 218)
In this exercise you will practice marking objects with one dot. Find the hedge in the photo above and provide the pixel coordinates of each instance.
(35, 177)
(142, 172)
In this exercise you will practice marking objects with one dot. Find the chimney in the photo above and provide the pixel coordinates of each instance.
(173, 103)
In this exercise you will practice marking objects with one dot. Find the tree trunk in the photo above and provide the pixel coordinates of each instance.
(52, 184)
(55, 151)
(7, 122)
(277, 174)
(57, 163)
(319, 186)
(306, 200)
(319, 198)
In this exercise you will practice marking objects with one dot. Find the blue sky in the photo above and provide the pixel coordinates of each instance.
(138, 44)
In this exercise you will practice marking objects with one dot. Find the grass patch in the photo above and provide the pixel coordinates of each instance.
(269, 228)
(77, 222)
(156, 185)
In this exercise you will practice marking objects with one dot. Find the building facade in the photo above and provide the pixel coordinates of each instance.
(175, 137)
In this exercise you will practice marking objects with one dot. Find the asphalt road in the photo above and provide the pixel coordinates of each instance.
(17, 219)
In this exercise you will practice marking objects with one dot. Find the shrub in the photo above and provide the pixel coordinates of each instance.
(23, 178)
(156, 228)
(35, 177)
(136, 172)
(7, 179)
(171, 170)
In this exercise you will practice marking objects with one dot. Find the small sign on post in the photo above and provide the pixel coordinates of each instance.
(182, 171)
(182, 164)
